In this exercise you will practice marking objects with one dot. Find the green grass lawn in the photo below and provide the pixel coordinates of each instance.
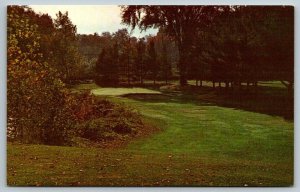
(122, 91)
(200, 144)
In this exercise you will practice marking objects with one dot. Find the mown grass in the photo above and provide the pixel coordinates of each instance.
(122, 91)
(217, 131)
(200, 144)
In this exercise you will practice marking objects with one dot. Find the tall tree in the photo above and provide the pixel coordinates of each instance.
(140, 59)
(36, 95)
(166, 65)
(122, 38)
(68, 56)
(107, 67)
(152, 61)
(181, 22)
(249, 44)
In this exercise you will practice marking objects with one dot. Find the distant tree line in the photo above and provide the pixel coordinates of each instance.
(230, 44)
(131, 60)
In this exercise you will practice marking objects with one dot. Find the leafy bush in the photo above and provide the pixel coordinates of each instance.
(107, 121)
(35, 93)
(95, 130)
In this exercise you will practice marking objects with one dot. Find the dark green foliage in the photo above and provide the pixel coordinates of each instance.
(166, 66)
(180, 22)
(106, 128)
(141, 67)
(107, 121)
(166, 55)
(107, 67)
(36, 95)
(231, 44)
(152, 60)
(238, 48)
(95, 130)
(67, 58)
(129, 56)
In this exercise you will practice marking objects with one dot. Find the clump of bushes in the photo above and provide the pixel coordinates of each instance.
(76, 115)
(104, 120)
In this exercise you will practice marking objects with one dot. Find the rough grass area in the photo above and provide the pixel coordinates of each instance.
(122, 91)
(39, 165)
(201, 143)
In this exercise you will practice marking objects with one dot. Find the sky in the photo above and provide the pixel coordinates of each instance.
(92, 18)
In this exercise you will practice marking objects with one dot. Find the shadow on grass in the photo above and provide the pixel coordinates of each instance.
(266, 100)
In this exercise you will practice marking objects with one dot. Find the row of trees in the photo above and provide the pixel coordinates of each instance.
(127, 59)
(231, 44)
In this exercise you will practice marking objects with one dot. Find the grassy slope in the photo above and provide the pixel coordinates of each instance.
(200, 144)
(217, 131)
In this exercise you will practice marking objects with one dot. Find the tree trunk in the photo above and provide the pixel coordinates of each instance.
(128, 78)
(141, 78)
(183, 80)
(166, 80)
(182, 64)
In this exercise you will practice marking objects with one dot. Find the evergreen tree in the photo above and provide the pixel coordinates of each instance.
(153, 63)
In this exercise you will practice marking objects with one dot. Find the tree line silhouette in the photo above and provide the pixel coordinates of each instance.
(230, 44)
(222, 44)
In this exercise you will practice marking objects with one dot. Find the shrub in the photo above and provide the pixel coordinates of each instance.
(36, 96)
(95, 130)
(108, 121)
